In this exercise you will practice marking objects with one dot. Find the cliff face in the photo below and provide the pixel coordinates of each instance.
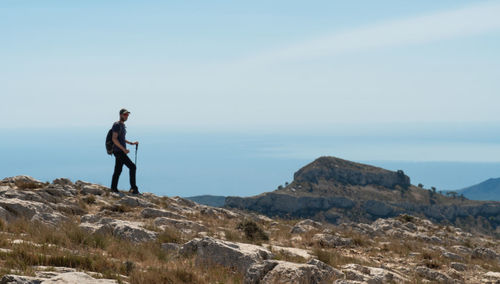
(332, 169)
(334, 190)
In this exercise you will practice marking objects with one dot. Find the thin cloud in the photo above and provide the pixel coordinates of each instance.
(467, 21)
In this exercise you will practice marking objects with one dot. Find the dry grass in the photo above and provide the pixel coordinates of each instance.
(114, 258)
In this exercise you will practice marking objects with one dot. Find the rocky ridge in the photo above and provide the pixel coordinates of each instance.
(65, 232)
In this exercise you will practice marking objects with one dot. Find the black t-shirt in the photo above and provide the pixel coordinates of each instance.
(120, 128)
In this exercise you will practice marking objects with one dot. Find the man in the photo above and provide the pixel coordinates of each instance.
(120, 151)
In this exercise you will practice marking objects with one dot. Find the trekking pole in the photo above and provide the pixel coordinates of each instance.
(136, 147)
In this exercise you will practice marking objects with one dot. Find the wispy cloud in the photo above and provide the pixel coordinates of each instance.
(466, 21)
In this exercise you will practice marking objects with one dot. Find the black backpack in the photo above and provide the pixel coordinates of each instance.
(109, 142)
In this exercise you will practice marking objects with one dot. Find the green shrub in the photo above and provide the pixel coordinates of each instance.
(252, 231)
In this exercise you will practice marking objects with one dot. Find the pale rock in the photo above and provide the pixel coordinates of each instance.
(179, 224)
(433, 275)
(305, 226)
(328, 240)
(134, 202)
(230, 254)
(154, 213)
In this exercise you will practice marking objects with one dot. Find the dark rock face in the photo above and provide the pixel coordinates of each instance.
(346, 172)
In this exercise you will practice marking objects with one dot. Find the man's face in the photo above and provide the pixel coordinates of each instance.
(125, 116)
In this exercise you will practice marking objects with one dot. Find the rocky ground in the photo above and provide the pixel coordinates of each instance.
(65, 232)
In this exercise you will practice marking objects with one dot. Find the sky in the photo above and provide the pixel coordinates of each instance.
(248, 66)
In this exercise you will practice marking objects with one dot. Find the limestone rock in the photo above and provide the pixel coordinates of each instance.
(329, 240)
(433, 275)
(134, 202)
(305, 226)
(230, 254)
(154, 213)
(289, 272)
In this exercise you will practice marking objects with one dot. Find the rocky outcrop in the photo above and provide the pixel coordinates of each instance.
(333, 169)
(61, 278)
(336, 191)
(129, 230)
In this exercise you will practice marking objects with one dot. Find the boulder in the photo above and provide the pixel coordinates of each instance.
(92, 189)
(239, 256)
(458, 266)
(183, 225)
(373, 275)
(305, 226)
(154, 213)
(296, 273)
(30, 210)
(23, 182)
(129, 230)
(485, 253)
(433, 275)
(134, 202)
(329, 240)
(62, 278)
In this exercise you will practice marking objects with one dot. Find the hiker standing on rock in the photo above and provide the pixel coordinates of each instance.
(120, 152)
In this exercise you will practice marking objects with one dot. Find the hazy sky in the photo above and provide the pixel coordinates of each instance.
(262, 65)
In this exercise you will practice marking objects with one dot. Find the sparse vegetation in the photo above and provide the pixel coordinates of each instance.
(252, 231)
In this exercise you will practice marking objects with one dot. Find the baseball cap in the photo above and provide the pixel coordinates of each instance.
(122, 111)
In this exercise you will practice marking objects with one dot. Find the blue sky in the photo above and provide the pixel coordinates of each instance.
(373, 81)
(256, 65)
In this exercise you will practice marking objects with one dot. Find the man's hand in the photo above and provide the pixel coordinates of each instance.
(135, 143)
(127, 151)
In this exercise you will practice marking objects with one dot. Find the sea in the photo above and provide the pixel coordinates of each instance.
(239, 163)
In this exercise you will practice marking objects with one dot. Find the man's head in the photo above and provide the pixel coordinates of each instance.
(124, 114)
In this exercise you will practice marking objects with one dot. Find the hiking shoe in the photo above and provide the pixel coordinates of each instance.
(134, 190)
(115, 190)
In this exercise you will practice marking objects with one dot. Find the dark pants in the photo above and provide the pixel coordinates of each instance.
(123, 159)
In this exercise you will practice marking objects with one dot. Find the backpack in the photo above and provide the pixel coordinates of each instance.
(109, 142)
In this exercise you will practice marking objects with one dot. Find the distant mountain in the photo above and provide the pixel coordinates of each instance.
(210, 200)
(336, 190)
(486, 190)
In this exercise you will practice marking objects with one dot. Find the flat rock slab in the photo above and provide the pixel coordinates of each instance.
(230, 254)
(63, 278)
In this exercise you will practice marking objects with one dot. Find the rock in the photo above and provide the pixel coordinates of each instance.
(61, 278)
(373, 275)
(433, 275)
(92, 189)
(134, 202)
(491, 277)
(30, 210)
(289, 272)
(458, 266)
(326, 269)
(329, 240)
(154, 213)
(230, 254)
(296, 252)
(63, 181)
(305, 226)
(170, 247)
(258, 270)
(129, 230)
(452, 256)
(462, 249)
(179, 224)
(485, 253)
(347, 172)
(16, 279)
(23, 182)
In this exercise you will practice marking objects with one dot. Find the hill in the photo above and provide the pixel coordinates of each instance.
(335, 190)
(486, 190)
(210, 200)
(65, 232)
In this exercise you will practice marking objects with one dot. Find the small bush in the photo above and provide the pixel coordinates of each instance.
(406, 218)
(252, 231)
(89, 199)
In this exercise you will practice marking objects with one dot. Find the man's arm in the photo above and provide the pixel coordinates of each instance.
(117, 144)
(132, 143)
